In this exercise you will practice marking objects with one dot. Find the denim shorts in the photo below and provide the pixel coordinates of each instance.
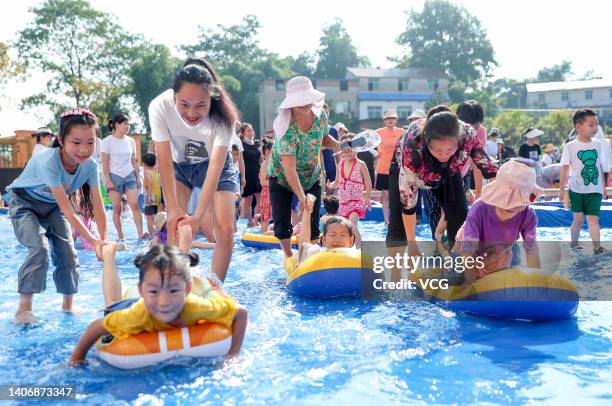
(193, 175)
(123, 185)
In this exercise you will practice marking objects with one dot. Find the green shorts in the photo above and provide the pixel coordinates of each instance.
(587, 203)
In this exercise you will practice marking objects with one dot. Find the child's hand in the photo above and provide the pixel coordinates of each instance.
(77, 363)
(331, 185)
(561, 195)
(367, 202)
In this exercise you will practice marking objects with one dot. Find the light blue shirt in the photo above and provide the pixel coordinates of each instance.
(46, 171)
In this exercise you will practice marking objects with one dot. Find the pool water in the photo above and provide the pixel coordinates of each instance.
(303, 351)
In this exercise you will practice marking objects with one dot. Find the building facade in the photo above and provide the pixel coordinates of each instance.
(362, 97)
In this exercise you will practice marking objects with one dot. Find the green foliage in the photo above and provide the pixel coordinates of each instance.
(512, 124)
(435, 99)
(151, 72)
(556, 126)
(555, 73)
(234, 51)
(445, 36)
(337, 52)
(85, 54)
(304, 64)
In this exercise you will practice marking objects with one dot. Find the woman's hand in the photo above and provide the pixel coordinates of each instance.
(97, 245)
(175, 216)
(367, 201)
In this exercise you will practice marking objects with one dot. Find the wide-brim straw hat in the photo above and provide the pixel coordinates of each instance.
(514, 186)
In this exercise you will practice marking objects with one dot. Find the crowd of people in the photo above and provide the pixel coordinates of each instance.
(205, 168)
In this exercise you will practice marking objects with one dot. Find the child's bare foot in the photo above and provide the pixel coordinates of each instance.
(109, 249)
(185, 236)
(311, 199)
(25, 317)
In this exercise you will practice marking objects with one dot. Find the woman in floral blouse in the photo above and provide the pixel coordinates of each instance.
(430, 155)
(301, 130)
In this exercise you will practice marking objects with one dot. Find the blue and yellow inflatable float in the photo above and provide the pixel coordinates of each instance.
(328, 274)
(510, 294)
(263, 241)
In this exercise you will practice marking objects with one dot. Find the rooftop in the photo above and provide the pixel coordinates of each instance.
(575, 85)
(417, 73)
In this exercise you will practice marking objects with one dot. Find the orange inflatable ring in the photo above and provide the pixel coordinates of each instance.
(204, 339)
(144, 349)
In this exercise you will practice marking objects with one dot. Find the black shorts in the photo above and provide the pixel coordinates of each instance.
(382, 181)
(280, 198)
(150, 210)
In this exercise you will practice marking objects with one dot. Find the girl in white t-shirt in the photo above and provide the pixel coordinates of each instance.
(192, 125)
(121, 171)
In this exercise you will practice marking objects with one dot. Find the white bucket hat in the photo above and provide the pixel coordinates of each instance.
(534, 133)
(298, 92)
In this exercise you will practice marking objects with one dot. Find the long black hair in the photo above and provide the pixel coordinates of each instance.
(200, 72)
(81, 201)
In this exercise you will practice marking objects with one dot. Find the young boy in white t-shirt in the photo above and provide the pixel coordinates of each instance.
(582, 159)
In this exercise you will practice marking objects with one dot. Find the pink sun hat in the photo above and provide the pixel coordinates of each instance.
(514, 186)
(298, 92)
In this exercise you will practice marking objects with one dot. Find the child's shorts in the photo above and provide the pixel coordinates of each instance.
(150, 210)
(587, 203)
(124, 184)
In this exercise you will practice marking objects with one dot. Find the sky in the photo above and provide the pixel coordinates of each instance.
(526, 34)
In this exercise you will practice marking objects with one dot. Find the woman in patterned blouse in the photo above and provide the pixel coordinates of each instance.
(430, 155)
(301, 130)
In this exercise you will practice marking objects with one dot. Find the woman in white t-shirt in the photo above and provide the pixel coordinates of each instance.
(192, 125)
(121, 171)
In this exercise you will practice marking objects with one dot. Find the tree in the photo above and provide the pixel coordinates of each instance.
(512, 124)
(304, 64)
(152, 72)
(8, 67)
(337, 52)
(235, 53)
(556, 126)
(555, 73)
(445, 36)
(85, 54)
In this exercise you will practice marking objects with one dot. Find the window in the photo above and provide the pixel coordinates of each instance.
(374, 111)
(373, 85)
(403, 85)
(343, 107)
(588, 94)
(404, 111)
(432, 85)
(564, 96)
(344, 85)
(280, 85)
(610, 93)
(541, 98)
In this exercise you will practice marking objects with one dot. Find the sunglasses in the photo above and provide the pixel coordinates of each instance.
(78, 112)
